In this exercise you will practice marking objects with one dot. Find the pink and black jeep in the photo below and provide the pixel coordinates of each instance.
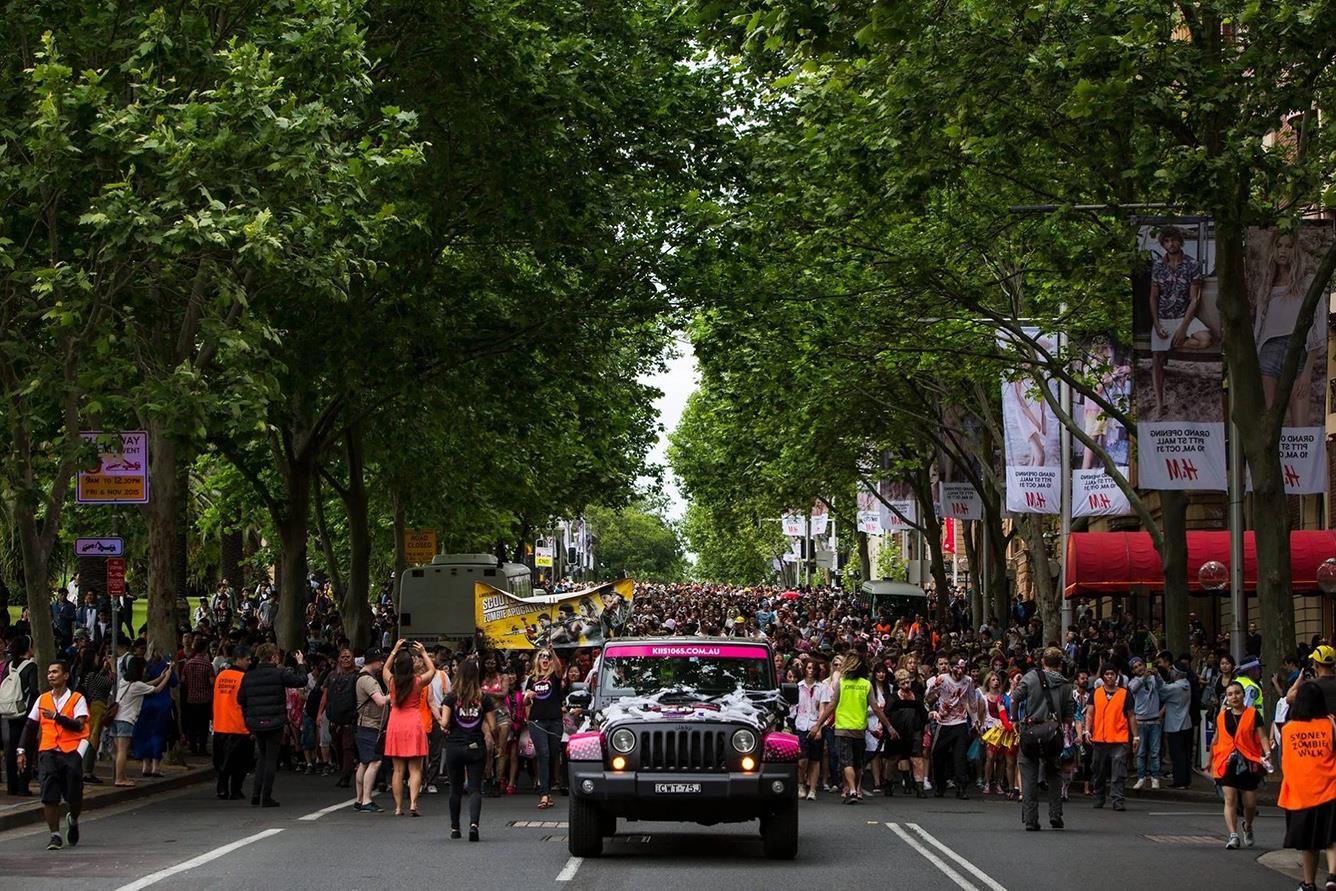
(685, 730)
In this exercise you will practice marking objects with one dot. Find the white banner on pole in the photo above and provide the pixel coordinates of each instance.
(869, 517)
(794, 525)
(1033, 439)
(960, 501)
(1095, 494)
(820, 519)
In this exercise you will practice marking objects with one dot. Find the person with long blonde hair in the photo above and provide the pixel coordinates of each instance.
(1278, 299)
(544, 692)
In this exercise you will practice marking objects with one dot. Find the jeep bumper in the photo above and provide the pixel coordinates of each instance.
(680, 796)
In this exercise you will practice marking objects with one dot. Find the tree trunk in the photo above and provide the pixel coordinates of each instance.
(355, 606)
(231, 548)
(326, 541)
(400, 554)
(181, 547)
(1050, 609)
(972, 551)
(160, 518)
(37, 582)
(1261, 445)
(290, 621)
(864, 560)
(1174, 561)
(92, 576)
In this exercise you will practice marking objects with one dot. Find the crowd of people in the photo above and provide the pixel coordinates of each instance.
(889, 700)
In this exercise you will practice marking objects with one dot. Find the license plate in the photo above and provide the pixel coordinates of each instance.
(677, 788)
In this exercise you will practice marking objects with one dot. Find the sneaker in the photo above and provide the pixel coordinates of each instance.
(811, 794)
(1119, 806)
(431, 789)
(372, 808)
(927, 784)
(1247, 837)
(90, 778)
(357, 806)
(1057, 823)
(802, 791)
(1331, 884)
(1155, 783)
(56, 843)
(1139, 784)
(1233, 842)
(473, 832)
(1031, 827)
(455, 833)
(1304, 886)
(72, 830)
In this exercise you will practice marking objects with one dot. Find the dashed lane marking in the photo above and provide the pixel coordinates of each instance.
(1184, 839)
(538, 824)
(316, 815)
(570, 869)
(154, 878)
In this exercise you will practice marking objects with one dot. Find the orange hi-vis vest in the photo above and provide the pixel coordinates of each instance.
(53, 735)
(424, 707)
(227, 716)
(1244, 739)
(1310, 764)
(1109, 724)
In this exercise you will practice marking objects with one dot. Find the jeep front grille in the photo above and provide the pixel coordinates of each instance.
(686, 750)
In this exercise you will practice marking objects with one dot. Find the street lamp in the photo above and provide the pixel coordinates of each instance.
(1326, 576)
(1214, 575)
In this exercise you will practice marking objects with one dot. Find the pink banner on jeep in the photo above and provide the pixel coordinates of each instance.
(707, 651)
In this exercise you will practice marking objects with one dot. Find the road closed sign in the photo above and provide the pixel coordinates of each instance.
(121, 476)
(419, 546)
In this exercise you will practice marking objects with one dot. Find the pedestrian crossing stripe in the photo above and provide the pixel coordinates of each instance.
(1184, 839)
(538, 824)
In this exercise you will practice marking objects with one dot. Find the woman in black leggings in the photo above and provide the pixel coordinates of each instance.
(470, 728)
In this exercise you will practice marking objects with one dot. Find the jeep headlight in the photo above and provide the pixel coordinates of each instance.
(744, 741)
(622, 740)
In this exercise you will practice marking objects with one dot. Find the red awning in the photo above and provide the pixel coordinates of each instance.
(1115, 562)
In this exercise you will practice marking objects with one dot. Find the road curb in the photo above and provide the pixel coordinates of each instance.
(144, 789)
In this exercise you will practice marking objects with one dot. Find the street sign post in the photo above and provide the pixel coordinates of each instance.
(121, 477)
(99, 547)
(115, 576)
(419, 546)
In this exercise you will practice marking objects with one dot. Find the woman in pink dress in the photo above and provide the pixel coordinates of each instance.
(406, 672)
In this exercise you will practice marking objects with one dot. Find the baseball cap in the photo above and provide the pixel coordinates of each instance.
(1250, 663)
(1323, 655)
(1136, 660)
(373, 654)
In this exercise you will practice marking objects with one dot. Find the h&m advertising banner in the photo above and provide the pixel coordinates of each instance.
(1033, 437)
(1280, 266)
(577, 619)
(1177, 364)
(1107, 365)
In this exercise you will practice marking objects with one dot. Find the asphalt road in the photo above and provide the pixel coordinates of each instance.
(188, 839)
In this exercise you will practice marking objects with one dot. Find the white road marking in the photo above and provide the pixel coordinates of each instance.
(316, 815)
(569, 870)
(978, 873)
(932, 858)
(154, 878)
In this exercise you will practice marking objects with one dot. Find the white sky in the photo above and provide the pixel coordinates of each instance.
(677, 382)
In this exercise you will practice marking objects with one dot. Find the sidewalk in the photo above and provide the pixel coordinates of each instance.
(16, 812)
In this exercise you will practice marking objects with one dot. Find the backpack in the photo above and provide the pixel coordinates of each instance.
(341, 706)
(13, 698)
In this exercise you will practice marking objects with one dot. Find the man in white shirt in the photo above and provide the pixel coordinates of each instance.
(812, 695)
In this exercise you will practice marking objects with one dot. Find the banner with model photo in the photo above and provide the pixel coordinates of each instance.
(897, 507)
(1177, 364)
(1106, 364)
(869, 517)
(575, 619)
(1280, 266)
(1033, 437)
(820, 518)
(956, 495)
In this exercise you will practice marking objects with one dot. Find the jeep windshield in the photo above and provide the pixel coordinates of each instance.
(687, 671)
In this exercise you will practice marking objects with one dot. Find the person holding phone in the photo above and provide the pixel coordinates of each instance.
(468, 716)
(405, 737)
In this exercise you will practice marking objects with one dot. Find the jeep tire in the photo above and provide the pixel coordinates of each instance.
(585, 831)
(779, 834)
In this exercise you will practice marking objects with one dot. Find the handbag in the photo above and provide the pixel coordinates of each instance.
(1043, 740)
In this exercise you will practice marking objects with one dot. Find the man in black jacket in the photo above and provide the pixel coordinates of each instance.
(262, 698)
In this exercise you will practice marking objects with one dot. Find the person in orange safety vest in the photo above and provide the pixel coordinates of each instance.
(233, 751)
(60, 715)
(1111, 728)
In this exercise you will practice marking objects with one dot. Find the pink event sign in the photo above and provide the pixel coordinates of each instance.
(712, 651)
